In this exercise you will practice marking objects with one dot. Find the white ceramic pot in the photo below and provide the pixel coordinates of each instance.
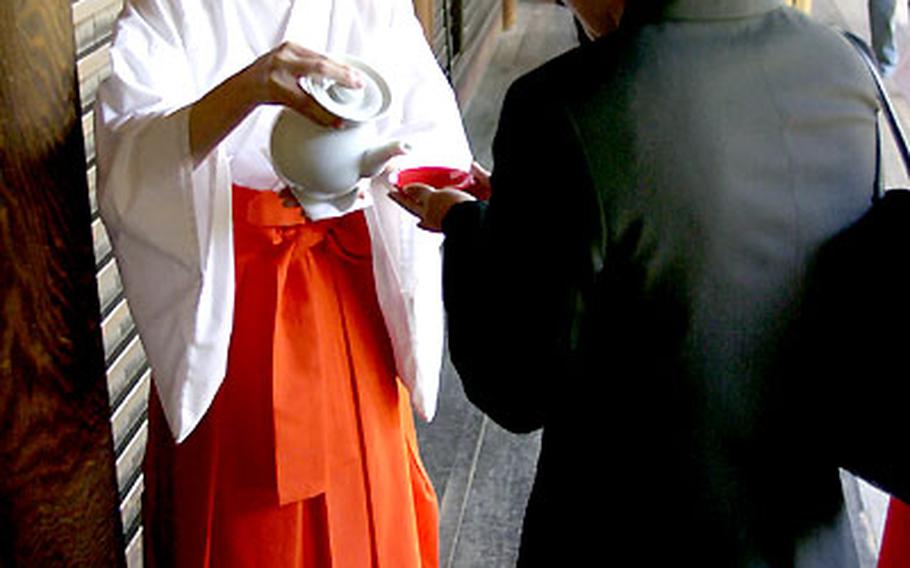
(322, 165)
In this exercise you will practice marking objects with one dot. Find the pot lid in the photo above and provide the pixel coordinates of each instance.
(356, 105)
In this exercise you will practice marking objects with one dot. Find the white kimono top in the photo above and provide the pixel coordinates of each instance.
(170, 224)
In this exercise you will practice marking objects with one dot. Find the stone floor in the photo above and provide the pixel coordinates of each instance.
(482, 473)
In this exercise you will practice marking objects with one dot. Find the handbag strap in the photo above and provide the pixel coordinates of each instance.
(888, 107)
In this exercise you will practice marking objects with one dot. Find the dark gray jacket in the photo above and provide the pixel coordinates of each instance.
(631, 286)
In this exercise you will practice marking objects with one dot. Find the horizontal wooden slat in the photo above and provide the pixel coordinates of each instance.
(131, 412)
(129, 464)
(94, 62)
(85, 35)
(117, 328)
(131, 508)
(91, 176)
(94, 22)
(102, 242)
(85, 9)
(110, 287)
(134, 551)
(88, 132)
(125, 370)
(93, 69)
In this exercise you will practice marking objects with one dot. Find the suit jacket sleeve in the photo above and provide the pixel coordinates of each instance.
(515, 268)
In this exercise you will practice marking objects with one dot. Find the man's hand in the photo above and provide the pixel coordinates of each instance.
(481, 188)
(428, 204)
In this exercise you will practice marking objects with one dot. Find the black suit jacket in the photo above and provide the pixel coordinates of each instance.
(634, 286)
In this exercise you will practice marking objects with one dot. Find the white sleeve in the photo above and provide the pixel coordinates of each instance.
(407, 261)
(169, 222)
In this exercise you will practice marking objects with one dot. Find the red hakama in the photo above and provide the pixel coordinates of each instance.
(307, 457)
(895, 549)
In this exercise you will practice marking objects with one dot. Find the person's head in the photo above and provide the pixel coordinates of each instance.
(598, 17)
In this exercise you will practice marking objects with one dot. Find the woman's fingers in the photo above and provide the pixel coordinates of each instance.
(307, 106)
(304, 62)
(297, 62)
(278, 75)
(287, 91)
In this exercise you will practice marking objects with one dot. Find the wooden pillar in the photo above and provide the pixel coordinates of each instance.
(424, 11)
(804, 5)
(509, 13)
(58, 495)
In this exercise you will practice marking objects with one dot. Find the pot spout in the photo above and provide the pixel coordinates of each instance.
(372, 161)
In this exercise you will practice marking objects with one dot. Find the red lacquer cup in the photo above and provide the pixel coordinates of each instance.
(438, 177)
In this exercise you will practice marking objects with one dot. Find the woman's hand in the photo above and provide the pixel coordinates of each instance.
(428, 204)
(272, 79)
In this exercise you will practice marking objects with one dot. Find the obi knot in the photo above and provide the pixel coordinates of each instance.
(289, 273)
(263, 213)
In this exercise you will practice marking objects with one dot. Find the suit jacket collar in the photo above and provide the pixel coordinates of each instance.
(718, 9)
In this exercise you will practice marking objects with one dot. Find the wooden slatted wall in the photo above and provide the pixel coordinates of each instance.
(127, 370)
(439, 38)
(473, 24)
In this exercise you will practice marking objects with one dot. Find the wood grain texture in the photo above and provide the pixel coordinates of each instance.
(804, 5)
(58, 499)
(509, 13)
(476, 52)
(425, 10)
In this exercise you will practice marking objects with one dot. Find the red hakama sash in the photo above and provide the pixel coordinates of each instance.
(307, 457)
(895, 549)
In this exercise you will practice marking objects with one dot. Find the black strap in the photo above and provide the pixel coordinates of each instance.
(893, 123)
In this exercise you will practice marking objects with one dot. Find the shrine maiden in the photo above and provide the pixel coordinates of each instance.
(279, 433)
